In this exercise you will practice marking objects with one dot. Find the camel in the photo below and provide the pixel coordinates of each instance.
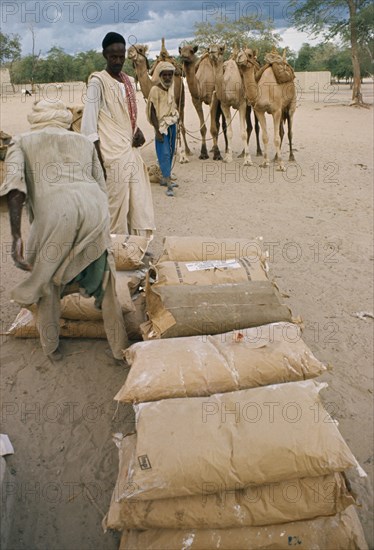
(137, 54)
(230, 92)
(201, 83)
(267, 96)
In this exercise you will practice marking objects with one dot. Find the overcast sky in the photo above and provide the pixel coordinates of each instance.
(80, 25)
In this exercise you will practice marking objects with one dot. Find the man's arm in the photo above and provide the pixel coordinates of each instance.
(16, 199)
(91, 115)
(15, 189)
(155, 124)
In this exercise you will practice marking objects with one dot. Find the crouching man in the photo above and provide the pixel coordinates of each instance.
(59, 175)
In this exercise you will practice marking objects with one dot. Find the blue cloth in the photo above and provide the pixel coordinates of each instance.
(165, 150)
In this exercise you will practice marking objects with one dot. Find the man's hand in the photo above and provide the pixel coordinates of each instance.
(159, 136)
(17, 255)
(138, 140)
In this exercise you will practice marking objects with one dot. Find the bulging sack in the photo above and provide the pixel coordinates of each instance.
(231, 440)
(209, 272)
(192, 249)
(180, 310)
(24, 326)
(294, 500)
(77, 307)
(129, 251)
(340, 532)
(197, 366)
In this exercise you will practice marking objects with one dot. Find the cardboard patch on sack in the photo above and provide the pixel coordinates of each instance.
(180, 310)
(129, 251)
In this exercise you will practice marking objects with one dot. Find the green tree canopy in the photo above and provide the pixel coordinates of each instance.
(245, 31)
(10, 48)
(344, 18)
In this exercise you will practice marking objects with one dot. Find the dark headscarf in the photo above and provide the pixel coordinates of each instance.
(113, 38)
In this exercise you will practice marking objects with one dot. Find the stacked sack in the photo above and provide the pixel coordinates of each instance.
(233, 448)
(210, 286)
(79, 316)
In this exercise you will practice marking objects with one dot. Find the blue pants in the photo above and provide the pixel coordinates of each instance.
(165, 150)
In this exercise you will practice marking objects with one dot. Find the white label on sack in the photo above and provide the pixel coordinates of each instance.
(213, 264)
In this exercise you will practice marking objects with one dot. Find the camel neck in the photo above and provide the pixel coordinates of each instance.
(143, 78)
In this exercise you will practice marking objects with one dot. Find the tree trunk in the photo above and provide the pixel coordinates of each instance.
(356, 91)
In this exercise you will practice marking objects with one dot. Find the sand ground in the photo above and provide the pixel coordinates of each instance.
(316, 220)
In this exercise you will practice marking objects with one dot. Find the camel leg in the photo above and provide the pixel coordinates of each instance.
(227, 114)
(224, 130)
(199, 109)
(215, 112)
(249, 126)
(257, 132)
(281, 134)
(265, 138)
(289, 127)
(277, 118)
(244, 134)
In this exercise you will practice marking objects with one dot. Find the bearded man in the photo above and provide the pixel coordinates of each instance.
(162, 113)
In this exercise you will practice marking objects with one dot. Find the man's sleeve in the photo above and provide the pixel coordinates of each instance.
(14, 169)
(91, 110)
(97, 171)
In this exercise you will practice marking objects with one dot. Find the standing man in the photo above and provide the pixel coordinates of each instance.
(162, 113)
(109, 121)
(68, 250)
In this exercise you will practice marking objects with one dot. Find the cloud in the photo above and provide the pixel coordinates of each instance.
(77, 25)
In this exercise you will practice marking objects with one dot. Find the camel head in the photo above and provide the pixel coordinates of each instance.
(137, 53)
(187, 53)
(216, 52)
(247, 57)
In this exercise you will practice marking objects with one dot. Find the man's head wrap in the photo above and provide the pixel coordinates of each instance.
(49, 113)
(113, 38)
(165, 66)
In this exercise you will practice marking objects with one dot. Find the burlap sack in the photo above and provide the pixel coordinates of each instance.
(128, 251)
(196, 366)
(76, 307)
(209, 272)
(179, 310)
(282, 502)
(340, 532)
(192, 249)
(256, 436)
(136, 318)
(283, 72)
(24, 326)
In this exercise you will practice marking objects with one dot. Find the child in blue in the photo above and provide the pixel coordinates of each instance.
(163, 115)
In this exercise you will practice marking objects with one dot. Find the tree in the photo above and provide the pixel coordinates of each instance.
(304, 57)
(240, 32)
(10, 48)
(10, 51)
(342, 18)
